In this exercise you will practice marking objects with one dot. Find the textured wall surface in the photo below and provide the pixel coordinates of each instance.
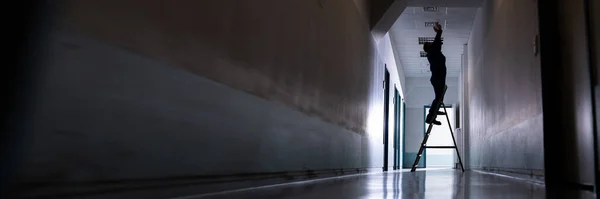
(568, 137)
(363, 7)
(313, 57)
(595, 18)
(400, 68)
(153, 89)
(113, 111)
(504, 89)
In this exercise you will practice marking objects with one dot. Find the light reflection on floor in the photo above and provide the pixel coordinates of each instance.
(430, 183)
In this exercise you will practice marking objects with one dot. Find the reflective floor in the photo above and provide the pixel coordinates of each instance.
(439, 183)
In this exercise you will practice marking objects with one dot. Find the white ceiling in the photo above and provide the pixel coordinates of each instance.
(445, 3)
(410, 25)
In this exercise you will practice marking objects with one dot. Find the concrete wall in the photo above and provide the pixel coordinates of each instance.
(595, 37)
(568, 131)
(364, 8)
(400, 68)
(386, 53)
(463, 136)
(138, 90)
(293, 56)
(504, 89)
(420, 93)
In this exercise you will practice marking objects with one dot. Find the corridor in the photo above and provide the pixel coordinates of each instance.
(159, 99)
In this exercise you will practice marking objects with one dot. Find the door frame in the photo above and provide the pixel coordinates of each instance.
(397, 131)
(424, 156)
(386, 113)
(403, 133)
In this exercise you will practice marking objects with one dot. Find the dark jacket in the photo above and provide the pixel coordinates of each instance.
(437, 60)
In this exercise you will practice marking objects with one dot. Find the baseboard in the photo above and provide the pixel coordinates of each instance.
(529, 175)
(199, 184)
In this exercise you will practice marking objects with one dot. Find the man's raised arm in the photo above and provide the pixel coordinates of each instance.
(438, 35)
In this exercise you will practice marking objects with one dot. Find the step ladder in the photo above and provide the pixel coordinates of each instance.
(437, 106)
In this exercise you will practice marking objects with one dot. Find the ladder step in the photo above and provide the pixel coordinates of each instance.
(440, 147)
(437, 104)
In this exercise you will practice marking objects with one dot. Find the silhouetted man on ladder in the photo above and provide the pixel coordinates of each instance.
(437, 66)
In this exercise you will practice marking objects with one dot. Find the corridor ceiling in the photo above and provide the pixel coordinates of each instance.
(444, 3)
(415, 22)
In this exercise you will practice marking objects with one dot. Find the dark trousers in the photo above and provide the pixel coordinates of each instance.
(438, 81)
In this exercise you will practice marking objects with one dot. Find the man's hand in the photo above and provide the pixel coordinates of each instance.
(437, 27)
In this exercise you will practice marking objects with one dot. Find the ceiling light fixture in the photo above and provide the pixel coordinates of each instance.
(430, 9)
(430, 23)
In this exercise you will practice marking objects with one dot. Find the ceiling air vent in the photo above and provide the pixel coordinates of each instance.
(422, 40)
(430, 23)
(430, 9)
(423, 54)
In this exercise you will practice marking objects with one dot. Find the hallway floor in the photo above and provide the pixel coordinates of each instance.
(431, 183)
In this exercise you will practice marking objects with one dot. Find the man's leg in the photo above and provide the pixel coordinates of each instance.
(438, 84)
(439, 95)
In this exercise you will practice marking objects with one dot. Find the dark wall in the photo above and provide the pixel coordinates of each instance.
(504, 89)
(595, 57)
(309, 55)
(567, 92)
(133, 92)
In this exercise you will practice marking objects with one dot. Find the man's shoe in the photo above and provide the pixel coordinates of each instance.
(429, 120)
(435, 122)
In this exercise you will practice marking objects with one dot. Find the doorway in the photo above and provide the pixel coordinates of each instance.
(398, 124)
(386, 112)
(440, 136)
